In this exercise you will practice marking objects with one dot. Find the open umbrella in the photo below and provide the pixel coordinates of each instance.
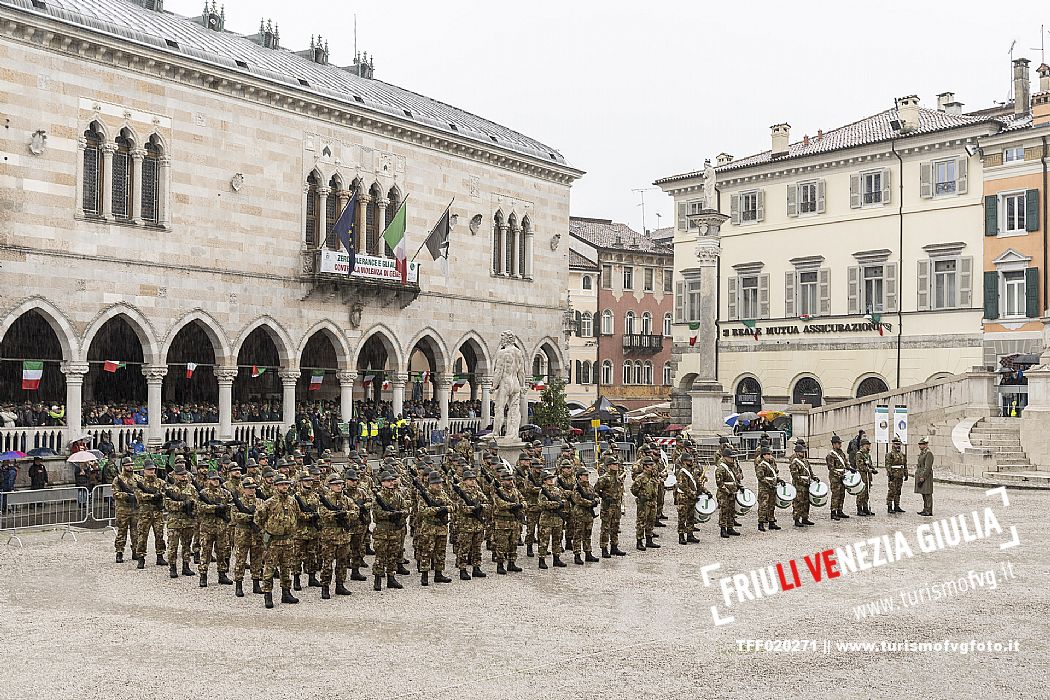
(41, 452)
(174, 444)
(528, 426)
(98, 454)
(12, 454)
(747, 415)
(731, 419)
(771, 415)
(82, 456)
(676, 426)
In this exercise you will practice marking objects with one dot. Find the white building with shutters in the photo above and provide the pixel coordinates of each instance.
(850, 263)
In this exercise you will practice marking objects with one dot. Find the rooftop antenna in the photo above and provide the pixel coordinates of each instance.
(641, 193)
(355, 35)
(1042, 43)
(658, 217)
(1010, 94)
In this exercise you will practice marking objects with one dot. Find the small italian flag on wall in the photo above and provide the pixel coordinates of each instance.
(114, 365)
(386, 385)
(32, 371)
(750, 325)
(258, 371)
(876, 320)
(458, 383)
(316, 377)
(538, 384)
(190, 366)
(367, 380)
(694, 331)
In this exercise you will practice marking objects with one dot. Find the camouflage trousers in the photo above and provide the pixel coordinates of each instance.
(726, 508)
(247, 544)
(661, 497)
(838, 494)
(505, 540)
(645, 519)
(357, 549)
(432, 548)
(147, 520)
(277, 556)
(569, 528)
(895, 482)
(468, 548)
(125, 522)
(863, 496)
(610, 533)
(800, 506)
(217, 541)
(388, 545)
(335, 557)
(581, 535)
(306, 553)
(532, 525)
(177, 536)
(551, 532)
(686, 514)
(766, 504)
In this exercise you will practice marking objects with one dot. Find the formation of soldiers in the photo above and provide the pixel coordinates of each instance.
(290, 520)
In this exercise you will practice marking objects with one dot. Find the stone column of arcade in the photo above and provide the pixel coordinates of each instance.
(154, 384)
(225, 377)
(289, 378)
(346, 395)
(486, 400)
(397, 384)
(74, 372)
(444, 389)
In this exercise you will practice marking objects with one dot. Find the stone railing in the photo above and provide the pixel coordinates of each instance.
(195, 435)
(249, 432)
(26, 439)
(469, 425)
(122, 436)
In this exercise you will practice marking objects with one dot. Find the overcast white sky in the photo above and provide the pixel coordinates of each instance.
(632, 91)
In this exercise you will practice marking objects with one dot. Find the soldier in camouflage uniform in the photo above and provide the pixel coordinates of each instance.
(337, 512)
(768, 478)
(896, 475)
(584, 501)
(686, 492)
(567, 483)
(552, 520)
(432, 530)
(358, 528)
(179, 504)
(727, 485)
(609, 488)
(124, 519)
(149, 492)
(801, 477)
(645, 489)
(307, 536)
(247, 538)
(867, 470)
(213, 513)
(838, 463)
(471, 511)
(530, 489)
(390, 510)
(277, 518)
(508, 508)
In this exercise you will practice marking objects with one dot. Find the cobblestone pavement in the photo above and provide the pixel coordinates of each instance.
(77, 625)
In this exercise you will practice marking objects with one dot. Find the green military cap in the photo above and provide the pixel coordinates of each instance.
(836, 440)
(351, 475)
(335, 479)
(387, 476)
(896, 441)
(506, 474)
(537, 443)
(611, 458)
(269, 473)
(547, 474)
(282, 479)
(582, 471)
(800, 446)
(234, 467)
(728, 451)
(565, 463)
(307, 477)
(251, 462)
(248, 483)
(435, 478)
(127, 462)
(180, 470)
(646, 461)
(687, 457)
(865, 441)
(469, 474)
(390, 450)
(314, 471)
(148, 464)
(767, 450)
(212, 475)
(326, 453)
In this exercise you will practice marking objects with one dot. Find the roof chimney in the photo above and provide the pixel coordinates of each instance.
(781, 136)
(1041, 100)
(953, 108)
(908, 112)
(1022, 87)
(723, 159)
(943, 99)
(269, 35)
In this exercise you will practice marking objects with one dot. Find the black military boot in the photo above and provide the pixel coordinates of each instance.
(402, 571)
(238, 589)
(224, 579)
(476, 572)
(577, 559)
(616, 551)
(773, 525)
(543, 563)
(173, 571)
(186, 570)
(501, 569)
(761, 526)
(356, 575)
(640, 546)
(368, 550)
(204, 580)
(736, 523)
(142, 562)
(897, 509)
(681, 538)
(691, 539)
(268, 599)
(529, 551)
(860, 511)
(341, 589)
(605, 553)
(463, 575)
(378, 585)
(296, 583)
(424, 578)
(834, 514)
(843, 515)
(439, 577)
(807, 521)
(659, 523)
(798, 522)
(512, 567)
(392, 582)
(312, 581)
(889, 509)
(256, 586)
(120, 557)
(722, 533)
(587, 556)
(649, 544)
(287, 597)
(161, 561)
(326, 594)
(731, 532)
(558, 562)
(869, 512)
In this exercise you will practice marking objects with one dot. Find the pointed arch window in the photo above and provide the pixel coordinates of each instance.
(92, 172)
(497, 244)
(647, 323)
(668, 374)
(123, 176)
(607, 372)
(393, 204)
(525, 248)
(584, 377)
(510, 266)
(151, 181)
(312, 185)
(628, 372)
(373, 221)
(332, 212)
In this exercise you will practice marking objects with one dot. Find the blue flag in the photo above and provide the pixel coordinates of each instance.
(346, 228)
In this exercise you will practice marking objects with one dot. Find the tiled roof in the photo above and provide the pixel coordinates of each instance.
(580, 262)
(127, 21)
(873, 129)
(606, 235)
(663, 235)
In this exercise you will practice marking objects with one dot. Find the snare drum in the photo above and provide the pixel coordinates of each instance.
(705, 508)
(818, 493)
(785, 495)
(853, 483)
(745, 500)
(671, 481)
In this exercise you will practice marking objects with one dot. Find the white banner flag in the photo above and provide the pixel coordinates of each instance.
(900, 423)
(882, 425)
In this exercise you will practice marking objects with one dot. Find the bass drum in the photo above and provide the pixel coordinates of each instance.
(745, 500)
(818, 493)
(785, 495)
(705, 508)
(853, 483)
(671, 481)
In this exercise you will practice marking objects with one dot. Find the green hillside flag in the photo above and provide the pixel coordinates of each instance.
(394, 235)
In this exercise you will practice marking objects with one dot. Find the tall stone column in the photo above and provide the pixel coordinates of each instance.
(346, 395)
(225, 377)
(486, 400)
(164, 191)
(501, 246)
(154, 384)
(136, 189)
(74, 372)
(79, 194)
(107, 179)
(397, 385)
(289, 378)
(362, 219)
(323, 193)
(444, 390)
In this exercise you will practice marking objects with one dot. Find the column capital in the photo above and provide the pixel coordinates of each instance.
(109, 148)
(74, 369)
(154, 373)
(289, 375)
(346, 377)
(138, 154)
(225, 375)
(443, 382)
(324, 191)
(399, 378)
(485, 381)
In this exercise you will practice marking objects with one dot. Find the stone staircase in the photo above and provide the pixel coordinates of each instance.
(1000, 438)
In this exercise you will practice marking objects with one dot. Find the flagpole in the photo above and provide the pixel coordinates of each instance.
(432, 230)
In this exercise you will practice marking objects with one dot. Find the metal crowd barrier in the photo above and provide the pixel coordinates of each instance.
(626, 451)
(103, 507)
(62, 506)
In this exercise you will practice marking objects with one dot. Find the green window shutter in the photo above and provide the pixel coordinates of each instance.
(1031, 292)
(1031, 210)
(991, 295)
(991, 215)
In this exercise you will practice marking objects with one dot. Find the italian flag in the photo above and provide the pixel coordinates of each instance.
(257, 371)
(424, 377)
(538, 384)
(694, 329)
(32, 371)
(394, 235)
(876, 320)
(114, 365)
(750, 324)
(190, 366)
(316, 377)
(367, 381)
(458, 383)
(386, 385)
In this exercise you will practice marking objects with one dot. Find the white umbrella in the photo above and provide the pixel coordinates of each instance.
(82, 456)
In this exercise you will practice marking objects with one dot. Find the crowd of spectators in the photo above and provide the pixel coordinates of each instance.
(31, 414)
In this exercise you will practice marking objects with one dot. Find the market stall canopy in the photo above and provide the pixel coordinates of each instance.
(603, 410)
